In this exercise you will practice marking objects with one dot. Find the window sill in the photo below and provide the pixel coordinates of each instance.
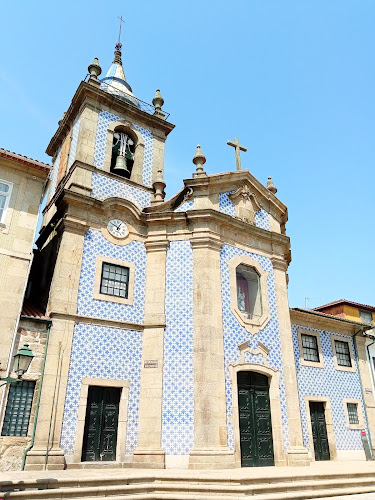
(314, 364)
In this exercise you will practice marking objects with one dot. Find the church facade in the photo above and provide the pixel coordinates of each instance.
(172, 343)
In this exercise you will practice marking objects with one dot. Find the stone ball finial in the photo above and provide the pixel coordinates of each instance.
(158, 101)
(94, 68)
(271, 186)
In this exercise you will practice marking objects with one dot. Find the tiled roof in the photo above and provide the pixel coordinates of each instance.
(344, 301)
(4, 153)
(32, 311)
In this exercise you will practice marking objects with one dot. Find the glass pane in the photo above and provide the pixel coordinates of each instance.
(310, 348)
(114, 280)
(4, 188)
(353, 413)
(249, 300)
(366, 317)
(343, 353)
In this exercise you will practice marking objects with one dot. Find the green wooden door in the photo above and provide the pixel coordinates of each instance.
(319, 431)
(255, 420)
(100, 435)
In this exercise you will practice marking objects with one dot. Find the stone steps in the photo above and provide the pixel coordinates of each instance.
(180, 487)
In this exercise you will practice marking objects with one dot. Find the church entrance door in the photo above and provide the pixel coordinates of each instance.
(319, 431)
(100, 434)
(255, 420)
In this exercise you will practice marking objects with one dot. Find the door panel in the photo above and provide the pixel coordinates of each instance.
(100, 435)
(255, 420)
(319, 431)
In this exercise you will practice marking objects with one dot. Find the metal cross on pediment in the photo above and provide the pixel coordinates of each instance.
(238, 148)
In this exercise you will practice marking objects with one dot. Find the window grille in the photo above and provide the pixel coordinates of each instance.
(310, 348)
(114, 280)
(343, 353)
(17, 413)
(353, 413)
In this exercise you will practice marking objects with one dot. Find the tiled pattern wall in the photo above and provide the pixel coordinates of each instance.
(105, 118)
(187, 205)
(53, 174)
(262, 218)
(235, 334)
(103, 187)
(331, 383)
(74, 141)
(95, 244)
(178, 380)
(101, 352)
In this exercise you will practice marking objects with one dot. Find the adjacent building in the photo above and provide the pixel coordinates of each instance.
(22, 184)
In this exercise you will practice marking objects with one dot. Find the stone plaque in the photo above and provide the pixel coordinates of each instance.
(151, 363)
(368, 390)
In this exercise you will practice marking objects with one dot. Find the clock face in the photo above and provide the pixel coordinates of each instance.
(117, 228)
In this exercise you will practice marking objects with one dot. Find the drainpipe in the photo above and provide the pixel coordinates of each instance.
(31, 444)
(369, 357)
(363, 392)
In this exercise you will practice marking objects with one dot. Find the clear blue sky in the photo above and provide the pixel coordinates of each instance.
(294, 80)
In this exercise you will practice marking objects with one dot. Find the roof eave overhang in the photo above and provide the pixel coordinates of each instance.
(323, 321)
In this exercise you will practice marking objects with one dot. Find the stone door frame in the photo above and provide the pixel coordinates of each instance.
(329, 425)
(122, 416)
(275, 408)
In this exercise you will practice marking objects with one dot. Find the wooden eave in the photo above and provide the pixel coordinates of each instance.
(87, 91)
(314, 319)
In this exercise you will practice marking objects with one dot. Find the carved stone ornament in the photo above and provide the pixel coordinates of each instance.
(261, 349)
(245, 203)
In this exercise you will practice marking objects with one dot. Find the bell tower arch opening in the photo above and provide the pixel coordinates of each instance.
(123, 151)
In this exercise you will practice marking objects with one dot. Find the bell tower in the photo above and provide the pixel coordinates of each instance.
(113, 134)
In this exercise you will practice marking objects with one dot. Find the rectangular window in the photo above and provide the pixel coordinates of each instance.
(114, 280)
(5, 190)
(366, 317)
(343, 353)
(17, 413)
(353, 413)
(310, 348)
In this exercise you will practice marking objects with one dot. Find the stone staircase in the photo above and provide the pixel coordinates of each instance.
(270, 483)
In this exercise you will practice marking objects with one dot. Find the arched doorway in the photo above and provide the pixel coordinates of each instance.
(255, 424)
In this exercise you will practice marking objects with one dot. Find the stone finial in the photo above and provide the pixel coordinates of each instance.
(62, 118)
(159, 186)
(95, 69)
(158, 102)
(271, 186)
(199, 160)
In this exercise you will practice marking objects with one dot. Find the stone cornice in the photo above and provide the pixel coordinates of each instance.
(124, 325)
(205, 240)
(157, 245)
(99, 98)
(280, 264)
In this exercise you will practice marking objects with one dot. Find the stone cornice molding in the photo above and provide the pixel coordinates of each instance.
(123, 325)
(71, 225)
(277, 263)
(156, 245)
(98, 99)
(206, 241)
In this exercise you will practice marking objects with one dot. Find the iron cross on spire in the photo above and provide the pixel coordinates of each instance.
(238, 148)
(119, 44)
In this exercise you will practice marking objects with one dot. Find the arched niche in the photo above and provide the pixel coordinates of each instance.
(136, 137)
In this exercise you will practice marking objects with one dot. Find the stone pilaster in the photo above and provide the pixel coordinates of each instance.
(297, 453)
(210, 429)
(63, 299)
(364, 371)
(149, 452)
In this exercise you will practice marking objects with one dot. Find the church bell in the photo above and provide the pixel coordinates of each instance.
(120, 167)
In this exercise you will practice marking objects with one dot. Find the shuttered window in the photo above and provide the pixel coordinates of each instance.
(17, 413)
